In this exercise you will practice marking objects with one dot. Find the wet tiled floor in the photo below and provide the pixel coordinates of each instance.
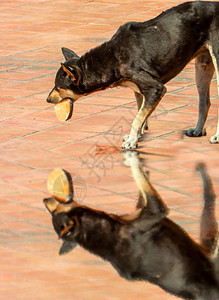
(33, 142)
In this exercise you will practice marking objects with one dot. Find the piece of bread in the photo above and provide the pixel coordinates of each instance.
(60, 186)
(64, 109)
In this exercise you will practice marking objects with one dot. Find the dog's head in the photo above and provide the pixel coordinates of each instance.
(65, 215)
(65, 222)
(68, 79)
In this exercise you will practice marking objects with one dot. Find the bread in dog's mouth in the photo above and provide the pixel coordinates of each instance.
(64, 109)
(59, 184)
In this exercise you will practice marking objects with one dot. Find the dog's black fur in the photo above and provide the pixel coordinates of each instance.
(146, 245)
(146, 55)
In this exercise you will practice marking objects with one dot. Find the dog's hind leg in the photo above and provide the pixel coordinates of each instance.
(214, 51)
(209, 227)
(204, 72)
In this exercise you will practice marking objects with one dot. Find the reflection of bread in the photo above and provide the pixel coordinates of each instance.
(64, 109)
(59, 185)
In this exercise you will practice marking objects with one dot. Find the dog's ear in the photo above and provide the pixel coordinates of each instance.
(73, 72)
(68, 54)
(67, 247)
(51, 204)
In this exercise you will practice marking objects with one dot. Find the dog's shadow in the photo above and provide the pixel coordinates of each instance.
(146, 244)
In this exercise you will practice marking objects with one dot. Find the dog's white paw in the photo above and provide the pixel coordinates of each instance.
(130, 143)
(214, 139)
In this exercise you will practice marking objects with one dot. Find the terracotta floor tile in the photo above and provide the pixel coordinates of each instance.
(7, 132)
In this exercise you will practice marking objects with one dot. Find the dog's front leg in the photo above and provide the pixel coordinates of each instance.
(131, 140)
(139, 100)
(151, 200)
(152, 93)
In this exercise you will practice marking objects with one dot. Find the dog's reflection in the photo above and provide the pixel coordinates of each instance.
(146, 245)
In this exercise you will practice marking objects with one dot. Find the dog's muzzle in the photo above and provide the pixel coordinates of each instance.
(54, 97)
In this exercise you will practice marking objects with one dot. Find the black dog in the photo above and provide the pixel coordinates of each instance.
(144, 56)
(146, 245)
